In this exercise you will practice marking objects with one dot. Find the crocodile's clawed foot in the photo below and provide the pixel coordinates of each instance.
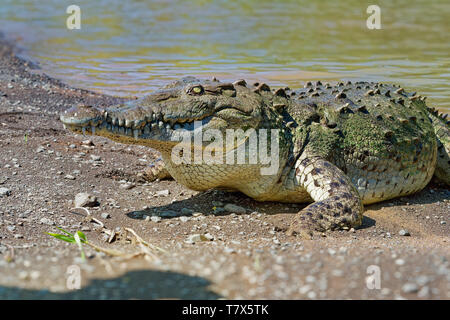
(303, 232)
(156, 170)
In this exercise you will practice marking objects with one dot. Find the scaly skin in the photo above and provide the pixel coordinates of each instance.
(340, 146)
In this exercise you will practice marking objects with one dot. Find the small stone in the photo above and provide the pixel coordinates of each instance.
(72, 146)
(155, 219)
(47, 221)
(162, 193)
(18, 236)
(105, 215)
(95, 157)
(424, 292)
(209, 237)
(84, 199)
(87, 142)
(399, 262)
(127, 186)
(443, 222)
(229, 250)
(234, 208)
(4, 192)
(69, 177)
(40, 149)
(404, 233)
(193, 238)
(184, 219)
(11, 228)
(410, 288)
(352, 230)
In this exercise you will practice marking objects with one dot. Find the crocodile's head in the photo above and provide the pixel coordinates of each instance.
(157, 119)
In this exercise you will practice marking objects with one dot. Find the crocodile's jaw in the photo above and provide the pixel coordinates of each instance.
(155, 133)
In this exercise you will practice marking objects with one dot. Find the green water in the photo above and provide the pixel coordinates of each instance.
(132, 47)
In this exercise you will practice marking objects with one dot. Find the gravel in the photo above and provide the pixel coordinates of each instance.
(85, 199)
(4, 192)
(404, 233)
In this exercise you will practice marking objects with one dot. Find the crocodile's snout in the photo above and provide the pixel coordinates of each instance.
(82, 116)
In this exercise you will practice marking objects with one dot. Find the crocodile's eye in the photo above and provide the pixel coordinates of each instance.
(196, 90)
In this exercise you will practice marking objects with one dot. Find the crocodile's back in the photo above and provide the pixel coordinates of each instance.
(382, 137)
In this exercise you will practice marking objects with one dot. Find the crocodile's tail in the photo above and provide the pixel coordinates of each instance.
(442, 129)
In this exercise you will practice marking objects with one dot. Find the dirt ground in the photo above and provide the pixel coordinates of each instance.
(243, 256)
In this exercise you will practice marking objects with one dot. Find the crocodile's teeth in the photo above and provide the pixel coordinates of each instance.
(168, 127)
(136, 133)
(64, 126)
(128, 123)
(83, 130)
(93, 129)
(121, 122)
(161, 124)
(154, 126)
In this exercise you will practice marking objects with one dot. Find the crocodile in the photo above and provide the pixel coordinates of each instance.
(339, 146)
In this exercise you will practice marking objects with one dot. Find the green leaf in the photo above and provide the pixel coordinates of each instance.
(62, 237)
(65, 231)
(82, 236)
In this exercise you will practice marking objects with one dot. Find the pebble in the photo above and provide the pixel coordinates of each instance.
(155, 219)
(69, 177)
(47, 221)
(193, 238)
(87, 142)
(443, 222)
(410, 288)
(127, 186)
(85, 199)
(162, 193)
(424, 292)
(404, 233)
(95, 157)
(399, 262)
(40, 149)
(234, 208)
(209, 236)
(105, 215)
(184, 219)
(4, 192)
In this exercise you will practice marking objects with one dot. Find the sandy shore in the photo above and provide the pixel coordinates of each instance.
(44, 166)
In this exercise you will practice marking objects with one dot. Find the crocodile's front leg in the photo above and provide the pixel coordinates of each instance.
(337, 202)
(156, 170)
